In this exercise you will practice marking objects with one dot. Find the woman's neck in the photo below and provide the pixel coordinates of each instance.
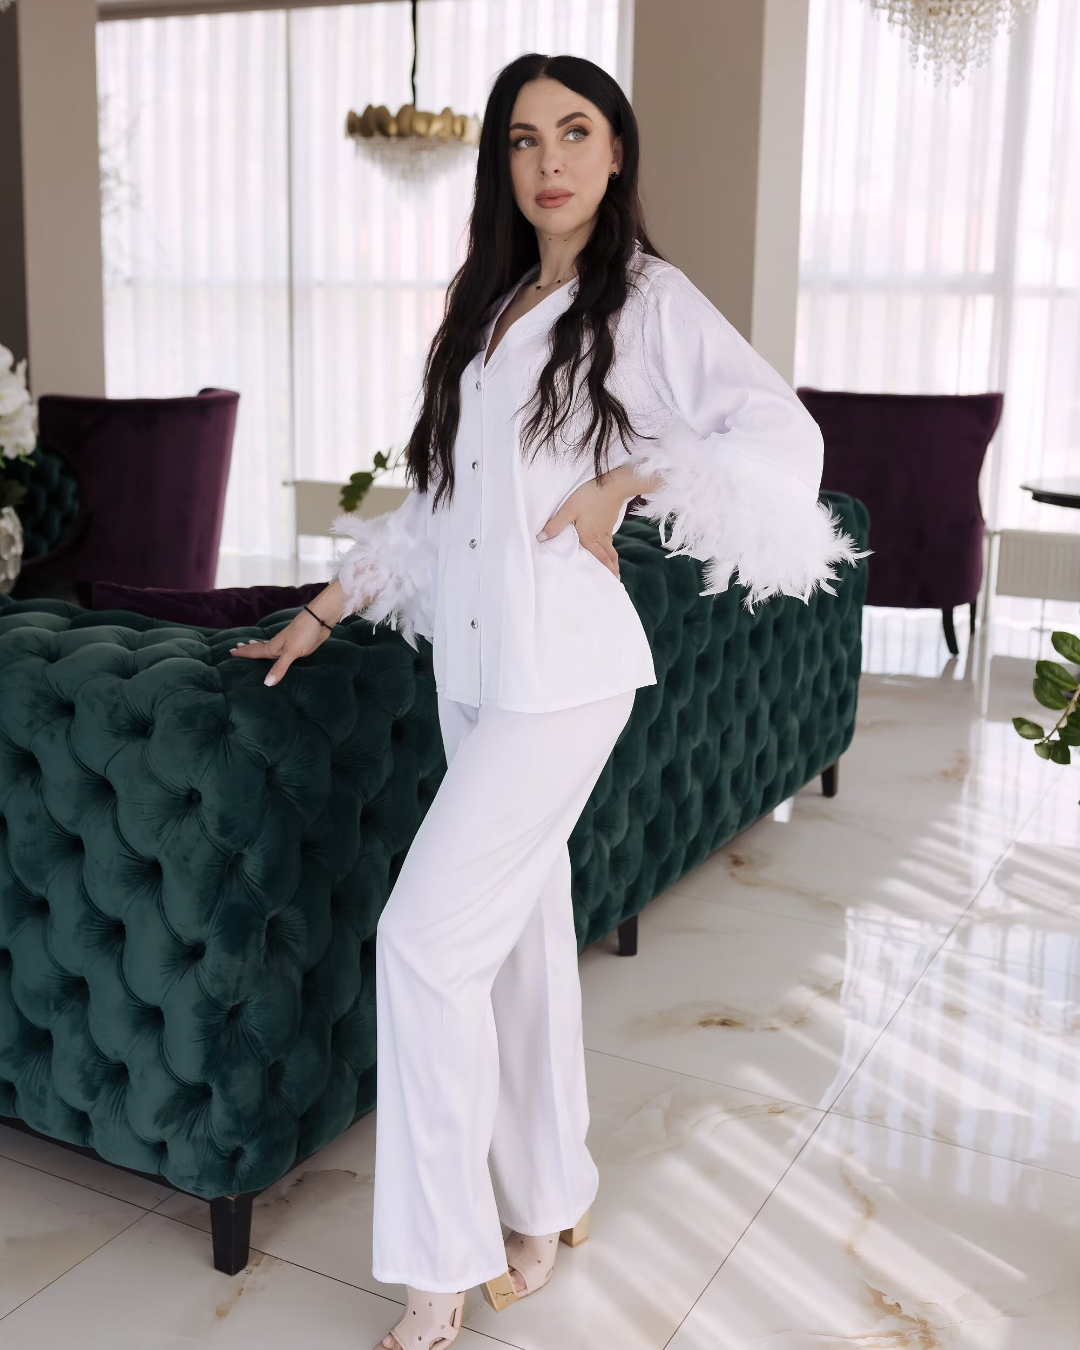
(558, 253)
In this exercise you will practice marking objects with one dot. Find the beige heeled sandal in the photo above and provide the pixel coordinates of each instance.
(431, 1322)
(534, 1260)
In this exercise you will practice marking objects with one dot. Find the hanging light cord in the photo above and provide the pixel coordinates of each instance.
(414, 44)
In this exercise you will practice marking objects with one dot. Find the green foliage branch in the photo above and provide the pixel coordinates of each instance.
(1059, 690)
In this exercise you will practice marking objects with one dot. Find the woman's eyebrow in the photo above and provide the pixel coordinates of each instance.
(570, 117)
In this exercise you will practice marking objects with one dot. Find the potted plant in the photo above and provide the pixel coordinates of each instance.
(18, 437)
(1059, 690)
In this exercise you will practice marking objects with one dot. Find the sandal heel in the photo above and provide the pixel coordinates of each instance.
(500, 1291)
(574, 1237)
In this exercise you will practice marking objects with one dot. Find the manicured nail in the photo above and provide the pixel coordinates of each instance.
(270, 679)
(542, 534)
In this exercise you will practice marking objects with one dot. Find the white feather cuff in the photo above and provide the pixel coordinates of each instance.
(741, 515)
(389, 573)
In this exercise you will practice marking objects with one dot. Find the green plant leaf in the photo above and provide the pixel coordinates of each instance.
(1069, 735)
(381, 460)
(1056, 674)
(1049, 695)
(1059, 753)
(1031, 731)
(354, 491)
(1066, 645)
(1042, 749)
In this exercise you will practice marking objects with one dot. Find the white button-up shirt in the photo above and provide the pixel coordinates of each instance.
(533, 626)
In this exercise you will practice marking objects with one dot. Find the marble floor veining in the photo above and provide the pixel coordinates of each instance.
(835, 1098)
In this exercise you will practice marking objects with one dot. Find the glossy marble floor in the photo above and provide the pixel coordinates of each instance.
(835, 1098)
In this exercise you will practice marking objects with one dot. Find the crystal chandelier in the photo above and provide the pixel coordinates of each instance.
(951, 34)
(411, 145)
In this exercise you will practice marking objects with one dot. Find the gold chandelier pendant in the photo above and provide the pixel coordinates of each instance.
(410, 122)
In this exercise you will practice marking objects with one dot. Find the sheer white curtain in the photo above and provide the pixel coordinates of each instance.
(941, 234)
(248, 245)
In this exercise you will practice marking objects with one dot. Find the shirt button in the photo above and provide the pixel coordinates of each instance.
(476, 463)
(478, 384)
(473, 623)
(472, 543)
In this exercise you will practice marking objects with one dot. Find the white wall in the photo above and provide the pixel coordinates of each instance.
(61, 195)
(718, 90)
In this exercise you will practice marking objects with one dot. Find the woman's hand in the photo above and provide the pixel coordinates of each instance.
(594, 508)
(300, 638)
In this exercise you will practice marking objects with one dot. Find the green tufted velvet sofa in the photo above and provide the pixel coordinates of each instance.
(192, 865)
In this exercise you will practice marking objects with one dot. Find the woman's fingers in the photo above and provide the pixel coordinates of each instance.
(283, 649)
(555, 525)
(283, 655)
(257, 648)
(280, 666)
(605, 551)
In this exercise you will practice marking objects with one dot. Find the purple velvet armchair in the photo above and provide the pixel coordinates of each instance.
(151, 476)
(914, 460)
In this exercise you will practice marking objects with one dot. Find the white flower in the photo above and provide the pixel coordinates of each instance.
(18, 415)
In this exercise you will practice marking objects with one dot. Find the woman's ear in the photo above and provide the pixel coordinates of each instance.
(616, 154)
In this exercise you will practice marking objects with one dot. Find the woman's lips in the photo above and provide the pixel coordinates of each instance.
(549, 199)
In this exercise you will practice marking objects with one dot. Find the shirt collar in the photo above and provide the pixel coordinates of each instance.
(565, 293)
(507, 296)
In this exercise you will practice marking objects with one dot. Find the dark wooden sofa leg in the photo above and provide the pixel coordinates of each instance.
(830, 779)
(627, 931)
(950, 632)
(230, 1229)
(971, 619)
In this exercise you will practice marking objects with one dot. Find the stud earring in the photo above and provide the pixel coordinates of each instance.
(614, 175)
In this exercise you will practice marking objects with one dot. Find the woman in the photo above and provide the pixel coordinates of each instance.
(573, 371)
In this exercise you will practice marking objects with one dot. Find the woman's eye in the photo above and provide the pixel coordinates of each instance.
(521, 141)
(578, 133)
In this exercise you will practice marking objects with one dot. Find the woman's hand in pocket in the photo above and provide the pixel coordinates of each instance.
(592, 509)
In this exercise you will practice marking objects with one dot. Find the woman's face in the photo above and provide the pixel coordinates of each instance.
(562, 154)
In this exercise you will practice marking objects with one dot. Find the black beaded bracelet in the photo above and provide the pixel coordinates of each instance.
(328, 626)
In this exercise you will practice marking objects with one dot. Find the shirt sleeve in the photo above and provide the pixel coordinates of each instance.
(390, 571)
(740, 457)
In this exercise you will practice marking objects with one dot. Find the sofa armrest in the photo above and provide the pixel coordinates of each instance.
(192, 866)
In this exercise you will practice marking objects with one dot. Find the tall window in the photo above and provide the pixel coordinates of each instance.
(941, 234)
(248, 246)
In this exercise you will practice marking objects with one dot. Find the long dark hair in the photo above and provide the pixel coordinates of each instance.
(502, 247)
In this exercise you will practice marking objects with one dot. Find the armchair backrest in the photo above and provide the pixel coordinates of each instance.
(151, 478)
(914, 461)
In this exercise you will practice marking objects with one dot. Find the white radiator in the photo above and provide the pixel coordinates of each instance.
(1037, 564)
(317, 503)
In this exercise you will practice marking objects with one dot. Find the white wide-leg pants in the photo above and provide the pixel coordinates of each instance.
(482, 1109)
